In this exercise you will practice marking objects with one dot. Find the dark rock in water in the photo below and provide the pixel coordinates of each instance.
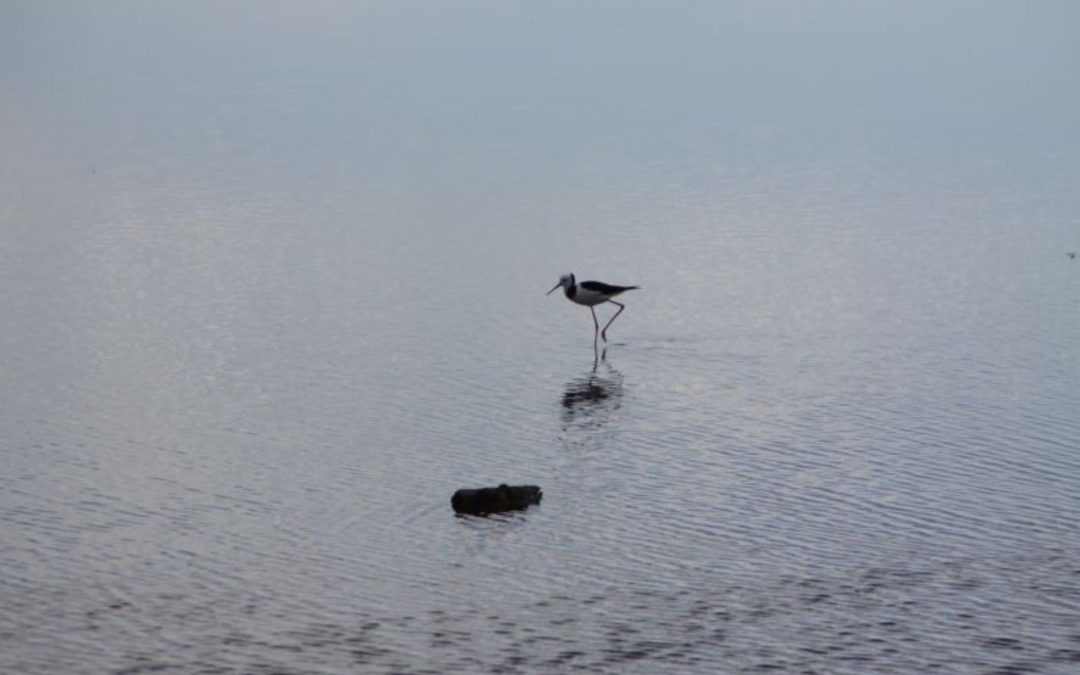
(483, 501)
(1071, 254)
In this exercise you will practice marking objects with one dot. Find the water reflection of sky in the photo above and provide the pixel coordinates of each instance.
(272, 280)
(401, 92)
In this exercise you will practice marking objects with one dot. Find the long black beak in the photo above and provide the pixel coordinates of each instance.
(553, 288)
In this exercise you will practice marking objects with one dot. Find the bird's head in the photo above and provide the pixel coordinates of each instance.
(565, 281)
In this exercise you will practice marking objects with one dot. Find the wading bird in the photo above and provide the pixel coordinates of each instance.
(590, 294)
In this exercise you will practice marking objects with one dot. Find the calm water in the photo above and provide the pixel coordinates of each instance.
(272, 278)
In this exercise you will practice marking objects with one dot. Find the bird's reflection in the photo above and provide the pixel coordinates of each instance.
(589, 400)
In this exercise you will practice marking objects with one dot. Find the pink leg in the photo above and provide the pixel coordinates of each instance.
(596, 323)
(603, 333)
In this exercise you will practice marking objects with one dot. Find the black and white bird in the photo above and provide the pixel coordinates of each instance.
(590, 294)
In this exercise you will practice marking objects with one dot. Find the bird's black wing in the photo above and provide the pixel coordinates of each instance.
(606, 289)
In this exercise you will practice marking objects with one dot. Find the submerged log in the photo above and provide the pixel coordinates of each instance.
(483, 501)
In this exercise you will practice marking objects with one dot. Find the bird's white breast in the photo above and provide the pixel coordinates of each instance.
(587, 297)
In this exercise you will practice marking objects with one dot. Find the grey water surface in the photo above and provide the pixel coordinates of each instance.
(272, 284)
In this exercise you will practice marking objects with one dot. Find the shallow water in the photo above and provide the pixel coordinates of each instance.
(273, 288)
